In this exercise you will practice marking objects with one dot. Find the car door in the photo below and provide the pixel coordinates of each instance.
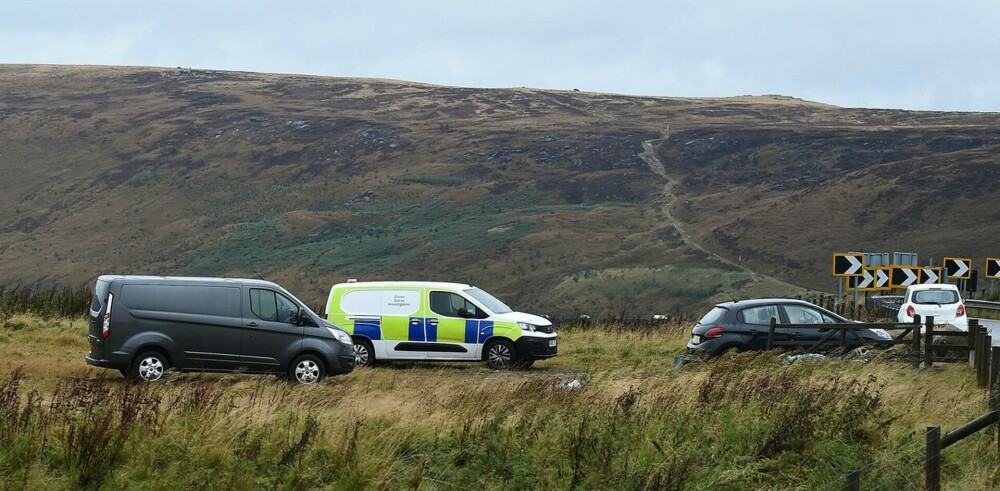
(269, 337)
(755, 321)
(804, 314)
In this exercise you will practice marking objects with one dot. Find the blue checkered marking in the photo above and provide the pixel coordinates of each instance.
(369, 328)
(477, 331)
(431, 328)
(417, 330)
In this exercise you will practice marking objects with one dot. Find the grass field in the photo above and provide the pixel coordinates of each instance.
(741, 422)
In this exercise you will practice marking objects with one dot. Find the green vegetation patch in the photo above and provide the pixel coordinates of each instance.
(670, 287)
(144, 179)
(383, 236)
(434, 180)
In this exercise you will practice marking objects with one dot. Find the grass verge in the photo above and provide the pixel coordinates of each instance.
(745, 421)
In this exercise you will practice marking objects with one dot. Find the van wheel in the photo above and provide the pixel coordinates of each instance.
(364, 353)
(500, 355)
(306, 369)
(149, 366)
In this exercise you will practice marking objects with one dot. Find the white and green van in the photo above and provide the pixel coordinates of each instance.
(418, 320)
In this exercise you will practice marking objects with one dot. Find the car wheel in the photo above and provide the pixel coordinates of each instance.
(864, 352)
(730, 348)
(149, 366)
(364, 353)
(500, 355)
(306, 369)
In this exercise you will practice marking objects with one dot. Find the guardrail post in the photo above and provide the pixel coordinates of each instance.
(770, 334)
(932, 465)
(929, 342)
(854, 480)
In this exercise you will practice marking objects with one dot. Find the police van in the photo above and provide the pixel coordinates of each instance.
(416, 320)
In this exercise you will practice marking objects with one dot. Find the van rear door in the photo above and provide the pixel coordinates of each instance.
(95, 328)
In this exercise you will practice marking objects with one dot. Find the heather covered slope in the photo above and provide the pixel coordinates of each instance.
(542, 197)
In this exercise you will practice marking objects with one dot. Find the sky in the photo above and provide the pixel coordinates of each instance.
(913, 54)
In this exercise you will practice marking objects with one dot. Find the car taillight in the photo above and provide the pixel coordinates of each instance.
(910, 311)
(961, 310)
(713, 332)
(106, 329)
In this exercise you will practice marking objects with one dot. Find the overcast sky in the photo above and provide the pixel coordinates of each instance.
(911, 54)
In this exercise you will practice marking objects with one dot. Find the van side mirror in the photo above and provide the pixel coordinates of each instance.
(303, 319)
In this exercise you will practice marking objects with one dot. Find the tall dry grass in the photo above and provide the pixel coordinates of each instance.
(747, 421)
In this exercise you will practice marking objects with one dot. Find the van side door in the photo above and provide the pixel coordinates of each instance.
(456, 323)
(198, 325)
(270, 337)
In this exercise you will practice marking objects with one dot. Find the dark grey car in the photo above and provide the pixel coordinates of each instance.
(743, 325)
(144, 325)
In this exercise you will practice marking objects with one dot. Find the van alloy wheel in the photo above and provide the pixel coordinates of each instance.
(361, 355)
(499, 356)
(150, 367)
(307, 370)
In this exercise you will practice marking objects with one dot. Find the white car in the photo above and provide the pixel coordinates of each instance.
(942, 301)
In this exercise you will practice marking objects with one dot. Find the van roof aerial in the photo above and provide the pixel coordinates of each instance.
(352, 280)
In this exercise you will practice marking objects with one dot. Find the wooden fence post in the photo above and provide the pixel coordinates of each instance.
(916, 335)
(977, 355)
(994, 374)
(854, 480)
(929, 342)
(770, 334)
(971, 338)
(932, 465)
(984, 360)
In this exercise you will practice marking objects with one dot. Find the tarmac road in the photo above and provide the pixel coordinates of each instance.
(994, 327)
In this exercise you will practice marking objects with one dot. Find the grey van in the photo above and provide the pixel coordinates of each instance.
(144, 325)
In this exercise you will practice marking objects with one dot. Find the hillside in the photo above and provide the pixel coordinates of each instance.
(543, 197)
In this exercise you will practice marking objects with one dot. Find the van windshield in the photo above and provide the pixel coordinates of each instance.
(489, 301)
(300, 303)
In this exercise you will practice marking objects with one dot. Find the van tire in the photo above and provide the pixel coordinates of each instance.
(306, 369)
(499, 354)
(149, 366)
(364, 353)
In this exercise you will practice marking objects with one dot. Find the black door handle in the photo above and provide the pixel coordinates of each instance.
(251, 324)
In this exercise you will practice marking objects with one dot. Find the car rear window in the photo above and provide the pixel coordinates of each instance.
(714, 315)
(935, 296)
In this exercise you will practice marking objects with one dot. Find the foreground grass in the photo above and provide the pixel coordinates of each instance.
(741, 422)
